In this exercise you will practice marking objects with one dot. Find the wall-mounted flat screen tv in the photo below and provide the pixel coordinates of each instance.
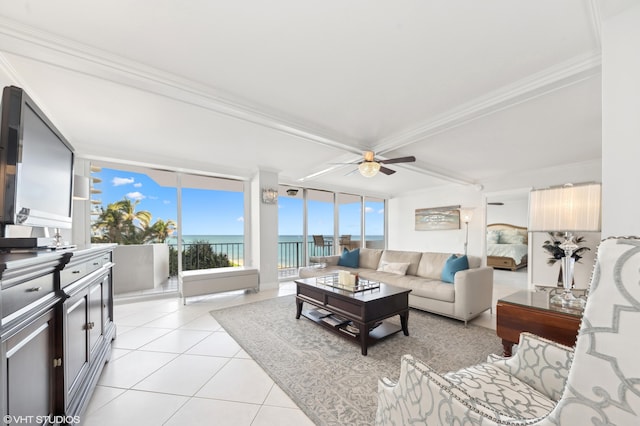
(36, 180)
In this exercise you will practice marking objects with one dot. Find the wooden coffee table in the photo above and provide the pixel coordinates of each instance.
(364, 309)
(530, 311)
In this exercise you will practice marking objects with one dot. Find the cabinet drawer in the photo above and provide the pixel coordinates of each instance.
(17, 297)
(73, 272)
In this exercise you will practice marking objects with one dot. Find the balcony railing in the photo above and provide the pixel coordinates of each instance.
(290, 254)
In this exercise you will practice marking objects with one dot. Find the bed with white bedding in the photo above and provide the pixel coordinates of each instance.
(507, 246)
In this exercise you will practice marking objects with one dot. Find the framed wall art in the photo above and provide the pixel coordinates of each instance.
(438, 218)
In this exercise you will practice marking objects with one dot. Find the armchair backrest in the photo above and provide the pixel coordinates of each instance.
(603, 386)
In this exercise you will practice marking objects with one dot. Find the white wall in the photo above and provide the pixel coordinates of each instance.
(621, 123)
(513, 212)
(264, 230)
(403, 236)
(402, 233)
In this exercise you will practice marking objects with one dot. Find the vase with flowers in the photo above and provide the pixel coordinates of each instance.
(552, 246)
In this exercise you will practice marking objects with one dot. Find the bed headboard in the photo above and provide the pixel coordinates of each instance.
(505, 230)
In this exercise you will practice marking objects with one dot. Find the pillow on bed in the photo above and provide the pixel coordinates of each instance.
(493, 237)
(511, 237)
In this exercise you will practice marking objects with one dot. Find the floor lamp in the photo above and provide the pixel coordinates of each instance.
(465, 216)
(568, 209)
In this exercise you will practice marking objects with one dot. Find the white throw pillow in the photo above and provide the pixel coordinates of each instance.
(394, 268)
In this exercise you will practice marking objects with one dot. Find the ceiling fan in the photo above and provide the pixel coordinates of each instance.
(370, 166)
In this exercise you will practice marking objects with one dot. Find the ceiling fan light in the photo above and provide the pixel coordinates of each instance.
(369, 168)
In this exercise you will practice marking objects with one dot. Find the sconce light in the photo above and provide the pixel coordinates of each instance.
(292, 192)
(80, 187)
(269, 196)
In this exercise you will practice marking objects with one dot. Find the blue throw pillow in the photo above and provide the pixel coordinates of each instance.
(350, 259)
(453, 265)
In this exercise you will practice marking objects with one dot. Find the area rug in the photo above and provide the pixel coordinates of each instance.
(326, 375)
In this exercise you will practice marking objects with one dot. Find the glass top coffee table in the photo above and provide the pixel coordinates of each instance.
(356, 315)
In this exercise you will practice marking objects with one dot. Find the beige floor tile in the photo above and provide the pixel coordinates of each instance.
(136, 408)
(184, 375)
(174, 319)
(138, 337)
(207, 412)
(101, 396)
(117, 353)
(176, 341)
(278, 398)
(138, 319)
(240, 380)
(133, 367)
(202, 322)
(218, 343)
(269, 416)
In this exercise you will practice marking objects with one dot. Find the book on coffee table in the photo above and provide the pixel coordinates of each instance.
(335, 320)
(317, 313)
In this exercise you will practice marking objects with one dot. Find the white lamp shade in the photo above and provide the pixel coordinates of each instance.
(466, 215)
(570, 208)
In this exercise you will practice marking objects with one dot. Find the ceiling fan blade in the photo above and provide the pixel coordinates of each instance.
(409, 159)
(386, 171)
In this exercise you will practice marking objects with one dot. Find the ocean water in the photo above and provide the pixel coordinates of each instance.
(222, 239)
(289, 253)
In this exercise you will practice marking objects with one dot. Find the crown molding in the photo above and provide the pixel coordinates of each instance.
(46, 48)
(549, 80)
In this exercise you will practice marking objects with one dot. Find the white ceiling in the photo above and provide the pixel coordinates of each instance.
(475, 90)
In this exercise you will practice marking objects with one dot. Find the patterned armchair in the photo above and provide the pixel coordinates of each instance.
(544, 383)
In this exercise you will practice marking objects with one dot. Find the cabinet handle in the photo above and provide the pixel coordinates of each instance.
(77, 271)
(89, 325)
(34, 289)
(96, 263)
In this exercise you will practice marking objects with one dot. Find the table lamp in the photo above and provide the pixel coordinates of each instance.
(569, 208)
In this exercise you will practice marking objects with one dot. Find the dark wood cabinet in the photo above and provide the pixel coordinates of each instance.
(29, 370)
(56, 331)
(87, 324)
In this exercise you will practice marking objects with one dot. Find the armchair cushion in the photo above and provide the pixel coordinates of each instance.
(540, 363)
(502, 391)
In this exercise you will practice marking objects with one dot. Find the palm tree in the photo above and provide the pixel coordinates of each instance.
(120, 223)
(160, 231)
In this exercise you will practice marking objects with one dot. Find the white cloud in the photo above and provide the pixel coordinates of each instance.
(137, 185)
(119, 181)
(368, 209)
(135, 195)
(240, 219)
(381, 211)
(152, 197)
(166, 202)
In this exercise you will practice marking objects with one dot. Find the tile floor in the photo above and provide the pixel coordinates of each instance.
(174, 365)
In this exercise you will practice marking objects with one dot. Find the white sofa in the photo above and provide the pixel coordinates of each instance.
(468, 296)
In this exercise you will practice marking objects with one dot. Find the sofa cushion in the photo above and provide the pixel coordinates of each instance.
(394, 256)
(370, 258)
(431, 265)
(453, 265)
(350, 259)
(399, 268)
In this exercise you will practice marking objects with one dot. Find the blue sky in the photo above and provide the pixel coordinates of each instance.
(206, 212)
